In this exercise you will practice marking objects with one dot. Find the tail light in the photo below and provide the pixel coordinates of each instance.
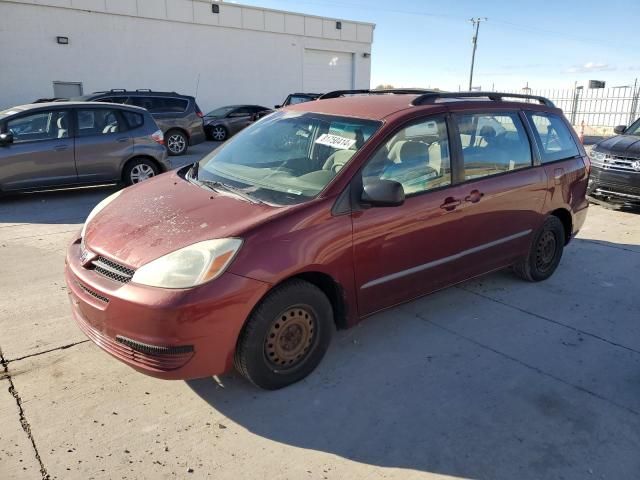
(158, 136)
(200, 114)
(587, 164)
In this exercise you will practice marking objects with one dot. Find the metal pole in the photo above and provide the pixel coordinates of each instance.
(476, 24)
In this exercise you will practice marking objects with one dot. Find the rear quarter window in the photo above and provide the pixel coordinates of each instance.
(552, 136)
(134, 120)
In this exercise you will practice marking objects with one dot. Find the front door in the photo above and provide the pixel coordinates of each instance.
(401, 252)
(102, 144)
(41, 154)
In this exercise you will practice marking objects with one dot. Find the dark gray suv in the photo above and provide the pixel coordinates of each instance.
(178, 116)
(60, 144)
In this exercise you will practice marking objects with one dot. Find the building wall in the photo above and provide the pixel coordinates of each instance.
(241, 55)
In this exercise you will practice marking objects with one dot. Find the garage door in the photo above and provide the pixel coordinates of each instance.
(325, 71)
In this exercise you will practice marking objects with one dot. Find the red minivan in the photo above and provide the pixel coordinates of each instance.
(317, 216)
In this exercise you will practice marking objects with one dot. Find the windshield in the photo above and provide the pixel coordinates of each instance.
(634, 129)
(287, 157)
(219, 112)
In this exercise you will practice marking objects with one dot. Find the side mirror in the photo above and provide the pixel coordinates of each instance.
(277, 106)
(6, 139)
(619, 130)
(382, 193)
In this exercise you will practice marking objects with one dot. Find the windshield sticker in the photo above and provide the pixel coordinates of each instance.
(335, 141)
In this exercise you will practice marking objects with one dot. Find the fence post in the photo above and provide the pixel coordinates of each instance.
(574, 106)
(634, 103)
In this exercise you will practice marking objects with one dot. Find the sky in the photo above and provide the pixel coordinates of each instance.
(424, 43)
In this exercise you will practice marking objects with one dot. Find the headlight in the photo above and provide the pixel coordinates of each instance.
(598, 156)
(97, 210)
(189, 266)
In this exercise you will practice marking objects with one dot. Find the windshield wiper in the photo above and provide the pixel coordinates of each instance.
(236, 191)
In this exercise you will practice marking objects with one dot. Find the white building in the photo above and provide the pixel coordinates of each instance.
(223, 53)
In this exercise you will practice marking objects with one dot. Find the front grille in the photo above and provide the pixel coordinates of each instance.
(110, 269)
(88, 291)
(618, 164)
(163, 361)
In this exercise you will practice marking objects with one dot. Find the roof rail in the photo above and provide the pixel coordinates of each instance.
(495, 96)
(143, 90)
(119, 90)
(406, 91)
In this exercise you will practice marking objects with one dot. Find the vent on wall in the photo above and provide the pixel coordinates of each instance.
(338, 25)
(215, 8)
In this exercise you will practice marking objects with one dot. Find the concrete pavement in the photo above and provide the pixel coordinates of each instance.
(496, 378)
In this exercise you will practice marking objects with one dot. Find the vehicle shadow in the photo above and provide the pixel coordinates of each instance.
(463, 383)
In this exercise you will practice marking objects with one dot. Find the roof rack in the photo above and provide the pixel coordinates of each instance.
(119, 90)
(495, 96)
(405, 91)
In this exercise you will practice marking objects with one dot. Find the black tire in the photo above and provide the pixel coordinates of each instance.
(545, 252)
(218, 133)
(138, 170)
(300, 303)
(177, 142)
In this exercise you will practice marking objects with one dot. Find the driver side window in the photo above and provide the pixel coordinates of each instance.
(417, 157)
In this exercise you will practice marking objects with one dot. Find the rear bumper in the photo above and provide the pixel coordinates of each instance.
(169, 334)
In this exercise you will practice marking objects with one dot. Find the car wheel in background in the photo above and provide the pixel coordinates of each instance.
(177, 142)
(138, 170)
(545, 252)
(286, 336)
(218, 133)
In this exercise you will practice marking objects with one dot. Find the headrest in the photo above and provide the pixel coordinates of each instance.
(487, 131)
(413, 150)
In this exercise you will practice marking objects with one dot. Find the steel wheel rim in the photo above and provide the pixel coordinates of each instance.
(176, 143)
(546, 250)
(218, 133)
(141, 172)
(290, 337)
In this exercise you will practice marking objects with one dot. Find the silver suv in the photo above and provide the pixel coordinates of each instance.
(60, 144)
(178, 116)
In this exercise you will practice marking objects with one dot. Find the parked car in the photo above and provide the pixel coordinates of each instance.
(295, 98)
(223, 122)
(178, 116)
(615, 177)
(318, 216)
(62, 144)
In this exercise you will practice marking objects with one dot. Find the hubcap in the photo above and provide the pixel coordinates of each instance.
(141, 172)
(176, 143)
(290, 337)
(545, 250)
(218, 133)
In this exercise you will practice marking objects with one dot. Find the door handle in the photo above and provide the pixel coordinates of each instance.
(60, 148)
(558, 173)
(450, 203)
(474, 196)
(123, 140)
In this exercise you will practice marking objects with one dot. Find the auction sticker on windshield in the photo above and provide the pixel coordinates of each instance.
(335, 141)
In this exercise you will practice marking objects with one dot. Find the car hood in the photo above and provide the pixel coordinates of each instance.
(621, 145)
(167, 213)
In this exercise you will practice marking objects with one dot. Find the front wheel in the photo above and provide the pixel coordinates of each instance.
(218, 133)
(177, 143)
(286, 336)
(545, 252)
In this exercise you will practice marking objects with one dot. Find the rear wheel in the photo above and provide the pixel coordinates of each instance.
(177, 142)
(545, 252)
(138, 170)
(286, 336)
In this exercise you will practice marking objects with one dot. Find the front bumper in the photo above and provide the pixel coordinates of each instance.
(621, 187)
(170, 334)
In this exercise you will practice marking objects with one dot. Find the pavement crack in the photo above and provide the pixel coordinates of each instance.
(550, 320)
(528, 366)
(601, 244)
(23, 419)
(63, 347)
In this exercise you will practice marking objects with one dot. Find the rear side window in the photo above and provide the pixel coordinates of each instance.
(134, 120)
(492, 143)
(161, 104)
(553, 137)
(98, 121)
